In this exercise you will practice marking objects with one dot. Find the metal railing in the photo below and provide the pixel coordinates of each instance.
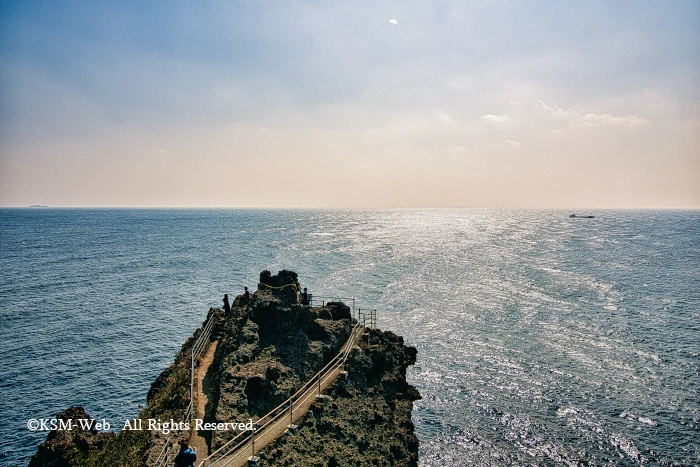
(325, 299)
(233, 448)
(163, 456)
(368, 318)
(197, 349)
(365, 319)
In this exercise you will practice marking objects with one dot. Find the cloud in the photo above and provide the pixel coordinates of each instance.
(443, 117)
(593, 120)
(513, 144)
(554, 111)
(497, 119)
(590, 119)
(393, 21)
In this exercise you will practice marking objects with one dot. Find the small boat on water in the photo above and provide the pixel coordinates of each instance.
(581, 217)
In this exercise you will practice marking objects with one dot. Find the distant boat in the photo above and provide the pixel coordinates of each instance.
(581, 217)
(38, 206)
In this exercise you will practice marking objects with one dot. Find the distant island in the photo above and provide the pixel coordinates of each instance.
(38, 206)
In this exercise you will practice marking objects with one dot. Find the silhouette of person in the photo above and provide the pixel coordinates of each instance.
(227, 306)
(246, 295)
(304, 297)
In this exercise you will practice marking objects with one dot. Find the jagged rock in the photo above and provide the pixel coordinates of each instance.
(64, 448)
(272, 373)
(369, 420)
(339, 310)
(268, 347)
(284, 286)
(280, 345)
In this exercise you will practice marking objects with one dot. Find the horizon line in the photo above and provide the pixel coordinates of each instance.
(581, 208)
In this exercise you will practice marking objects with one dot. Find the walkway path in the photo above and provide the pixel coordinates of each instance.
(276, 430)
(201, 397)
(239, 457)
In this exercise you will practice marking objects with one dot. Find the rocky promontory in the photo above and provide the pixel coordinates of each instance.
(261, 351)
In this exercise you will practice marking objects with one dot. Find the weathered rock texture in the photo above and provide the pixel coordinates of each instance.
(69, 447)
(268, 347)
(367, 421)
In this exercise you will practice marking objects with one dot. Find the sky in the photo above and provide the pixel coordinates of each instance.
(497, 104)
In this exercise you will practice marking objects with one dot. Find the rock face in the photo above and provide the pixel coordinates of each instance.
(268, 347)
(367, 420)
(69, 447)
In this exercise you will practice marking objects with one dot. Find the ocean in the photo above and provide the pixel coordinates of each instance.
(542, 340)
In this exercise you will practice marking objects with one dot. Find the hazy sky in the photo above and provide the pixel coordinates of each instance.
(365, 104)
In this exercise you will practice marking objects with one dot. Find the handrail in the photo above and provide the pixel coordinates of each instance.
(302, 390)
(197, 347)
(318, 377)
(201, 341)
(273, 415)
(326, 299)
(163, 456)
(188, 411)
(332, 297)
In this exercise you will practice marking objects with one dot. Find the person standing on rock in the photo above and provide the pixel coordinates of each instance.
(246, 295)
(186, 456)
(304, 297)
(227, 306)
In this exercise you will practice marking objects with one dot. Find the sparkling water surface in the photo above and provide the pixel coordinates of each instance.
(542, 340)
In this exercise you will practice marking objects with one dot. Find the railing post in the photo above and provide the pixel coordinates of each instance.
(291, 411)
(191, 384)
(253, 441)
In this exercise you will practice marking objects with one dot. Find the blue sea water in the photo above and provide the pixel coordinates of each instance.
(542, 340)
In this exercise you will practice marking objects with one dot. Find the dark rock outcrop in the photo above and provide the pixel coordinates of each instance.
(367, 420)
(268, 347)
(64, 448)
(284, 286)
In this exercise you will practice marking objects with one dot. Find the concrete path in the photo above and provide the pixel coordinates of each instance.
(277, 428)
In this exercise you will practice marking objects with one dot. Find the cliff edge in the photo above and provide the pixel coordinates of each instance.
(262, 350)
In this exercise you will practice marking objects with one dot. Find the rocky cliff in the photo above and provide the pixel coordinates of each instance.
(366, 420)
(267, 347)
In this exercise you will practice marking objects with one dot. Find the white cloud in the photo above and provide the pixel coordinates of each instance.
(554, 111)
(593, 120)
(590, 119)
(497, 119)
(444, 117)
(393, 21)
(513, 144)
